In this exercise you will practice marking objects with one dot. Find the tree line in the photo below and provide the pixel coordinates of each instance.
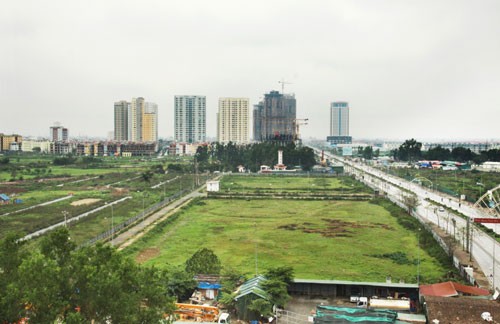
(227, 157)
(411, 150)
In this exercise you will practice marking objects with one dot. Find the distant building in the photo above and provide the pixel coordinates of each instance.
(190, 119)
(274, 118)
(121, 120)
(30, 145)
(233, 120)
(8, 142)
(339, 123)
(136, 121)
(58, 133)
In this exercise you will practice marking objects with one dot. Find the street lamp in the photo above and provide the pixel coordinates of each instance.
(65, 214)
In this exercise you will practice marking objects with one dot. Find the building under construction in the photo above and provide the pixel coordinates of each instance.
(274, 118)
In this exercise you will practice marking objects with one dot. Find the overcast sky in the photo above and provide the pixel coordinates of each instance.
(422, 69)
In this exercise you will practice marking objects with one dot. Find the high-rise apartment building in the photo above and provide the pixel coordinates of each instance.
(150, 122)
(58, 133)
(136, 121)
(121, 120)
(190, 119)
(233, 120)
(339, 123)
(274, 118)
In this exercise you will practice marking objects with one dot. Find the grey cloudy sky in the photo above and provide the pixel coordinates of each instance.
(423, 68)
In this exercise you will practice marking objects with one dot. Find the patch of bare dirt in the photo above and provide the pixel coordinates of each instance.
(147, 254)
(87, 201)
(334, 227)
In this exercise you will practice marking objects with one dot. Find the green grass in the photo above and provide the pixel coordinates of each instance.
(294, 233)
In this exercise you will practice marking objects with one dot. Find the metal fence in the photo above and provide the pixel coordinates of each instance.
(141, 215)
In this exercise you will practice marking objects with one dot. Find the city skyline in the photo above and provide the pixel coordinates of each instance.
(423, 70)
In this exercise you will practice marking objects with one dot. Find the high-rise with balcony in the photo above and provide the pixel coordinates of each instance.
(339, 123)
(233, 120)
(135, 119)
(190, 119)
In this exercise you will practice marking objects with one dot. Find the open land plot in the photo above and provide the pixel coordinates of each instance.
(288, 183)
(344, 240)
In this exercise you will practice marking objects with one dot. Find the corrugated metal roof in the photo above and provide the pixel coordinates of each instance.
(252, 286)
(450, 289)
(4, 197)
(359, 283)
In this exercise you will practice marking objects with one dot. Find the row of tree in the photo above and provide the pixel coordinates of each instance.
(227, 157)
(411, 150)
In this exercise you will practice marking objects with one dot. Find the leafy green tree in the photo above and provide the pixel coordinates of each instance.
(179, 283)
(276, 284)
(462, 154)
(261, 306)
(203, 261)
(283, 273)
(410, 150)
(438, 153)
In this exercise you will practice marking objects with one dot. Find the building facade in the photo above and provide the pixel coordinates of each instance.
(339, 123)
(233, 120)
(121, 120)
(136, 121)
(58, 133)
(190, 119)
(149, 122)
(10, 142)
(274, 118)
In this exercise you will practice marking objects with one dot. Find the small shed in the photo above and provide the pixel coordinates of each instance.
(209, 290)
(248, 292)
(213, 186)
(4, 199)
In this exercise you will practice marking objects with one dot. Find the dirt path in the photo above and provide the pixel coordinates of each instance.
(133, 234)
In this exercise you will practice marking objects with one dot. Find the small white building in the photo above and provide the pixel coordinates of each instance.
(213, 186)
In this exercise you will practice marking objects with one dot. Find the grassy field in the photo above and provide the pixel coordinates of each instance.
(319, 239)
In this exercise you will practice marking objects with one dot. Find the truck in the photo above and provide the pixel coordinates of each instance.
(385, 303)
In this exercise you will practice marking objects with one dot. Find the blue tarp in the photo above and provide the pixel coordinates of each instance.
(4, 197)
(208, 285)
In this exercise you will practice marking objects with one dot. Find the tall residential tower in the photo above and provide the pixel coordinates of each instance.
(136, 121)
(232, 120)
(339, 123)
(190, 119)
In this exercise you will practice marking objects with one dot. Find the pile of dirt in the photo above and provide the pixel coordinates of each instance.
(87, 201)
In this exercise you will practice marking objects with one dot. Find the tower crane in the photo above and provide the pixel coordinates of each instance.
(297, 122)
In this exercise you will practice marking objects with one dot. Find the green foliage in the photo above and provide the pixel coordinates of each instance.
(410, 150)
(4, 160)
(64, 160)
(277, 290)
(261, 306)
(204, 261)
(179, 283)
(438, 153)
(282, 273)
(103, 285)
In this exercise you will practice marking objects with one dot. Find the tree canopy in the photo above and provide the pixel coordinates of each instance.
(59, 283)
(203, 261)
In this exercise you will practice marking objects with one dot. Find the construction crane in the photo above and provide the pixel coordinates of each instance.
(297, 122)
(283, 82)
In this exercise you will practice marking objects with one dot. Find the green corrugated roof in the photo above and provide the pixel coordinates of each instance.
(252, 286)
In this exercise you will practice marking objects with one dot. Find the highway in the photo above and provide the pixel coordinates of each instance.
(485, 250)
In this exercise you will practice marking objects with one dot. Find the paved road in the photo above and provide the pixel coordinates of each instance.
(485, 250)
(130, 235)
